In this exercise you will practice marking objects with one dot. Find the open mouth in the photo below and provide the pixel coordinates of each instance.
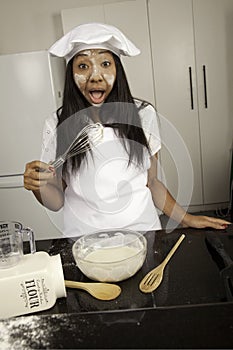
(97, 96)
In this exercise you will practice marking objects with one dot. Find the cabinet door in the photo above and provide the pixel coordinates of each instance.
(73, 17)
(172, 43)
(131, 18)
(213, 23)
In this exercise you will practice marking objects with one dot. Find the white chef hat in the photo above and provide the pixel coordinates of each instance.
(93, 36)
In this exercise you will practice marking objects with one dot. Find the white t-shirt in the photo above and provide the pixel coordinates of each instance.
(106, 192)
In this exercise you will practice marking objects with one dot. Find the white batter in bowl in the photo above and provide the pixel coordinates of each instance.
(110, 256)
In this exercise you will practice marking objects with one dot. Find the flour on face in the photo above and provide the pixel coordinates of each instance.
(94, 74)
(79, 79)
(109, 78)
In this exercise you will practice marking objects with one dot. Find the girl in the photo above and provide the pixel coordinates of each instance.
(115, 184)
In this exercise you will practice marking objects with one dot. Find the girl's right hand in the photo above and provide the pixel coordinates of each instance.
(37, 174)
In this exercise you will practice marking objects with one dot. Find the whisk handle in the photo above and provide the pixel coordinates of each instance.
(58, 162)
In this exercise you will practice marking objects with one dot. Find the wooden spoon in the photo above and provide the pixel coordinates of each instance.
(102, 291)
(153, 278)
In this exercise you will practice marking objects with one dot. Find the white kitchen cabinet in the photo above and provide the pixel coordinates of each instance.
(190, 39)
(213, 22)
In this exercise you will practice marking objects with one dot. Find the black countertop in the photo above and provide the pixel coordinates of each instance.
(189, 310)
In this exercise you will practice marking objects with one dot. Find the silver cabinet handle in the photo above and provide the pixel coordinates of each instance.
(191, 87)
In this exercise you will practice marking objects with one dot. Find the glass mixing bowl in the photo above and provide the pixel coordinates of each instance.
(110, 256)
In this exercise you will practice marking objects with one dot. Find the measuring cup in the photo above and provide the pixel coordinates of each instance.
(11, 243)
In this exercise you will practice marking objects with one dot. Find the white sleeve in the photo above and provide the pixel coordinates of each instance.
(149, 120)
(49, 139)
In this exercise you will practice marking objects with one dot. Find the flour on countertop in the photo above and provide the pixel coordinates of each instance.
(24, 333)
(43, 332)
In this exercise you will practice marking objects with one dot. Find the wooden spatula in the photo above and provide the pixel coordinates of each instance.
(153, 279)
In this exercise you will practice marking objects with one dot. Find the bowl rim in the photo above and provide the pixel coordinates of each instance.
(139, 235)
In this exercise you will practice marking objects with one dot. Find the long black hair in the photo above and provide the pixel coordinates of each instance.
(119, 111)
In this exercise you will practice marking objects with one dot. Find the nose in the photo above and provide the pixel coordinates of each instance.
(96, 76)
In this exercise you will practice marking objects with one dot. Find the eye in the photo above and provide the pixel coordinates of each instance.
(82, 66)
(106, 64)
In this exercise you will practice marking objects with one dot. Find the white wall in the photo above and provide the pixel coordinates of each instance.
(31, 25)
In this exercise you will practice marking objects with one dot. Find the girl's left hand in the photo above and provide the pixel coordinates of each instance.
(199, 221)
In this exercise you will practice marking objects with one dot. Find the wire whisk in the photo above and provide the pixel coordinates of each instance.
(86, 139)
